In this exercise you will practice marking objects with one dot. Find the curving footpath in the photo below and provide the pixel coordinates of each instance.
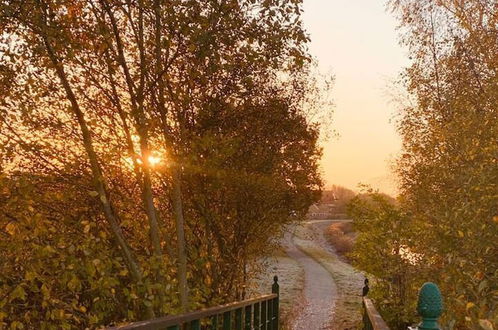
(320, 290)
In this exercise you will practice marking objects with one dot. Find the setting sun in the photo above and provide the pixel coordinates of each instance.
(164, 164)
(154, 160)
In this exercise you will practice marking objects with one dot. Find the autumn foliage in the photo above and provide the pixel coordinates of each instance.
(444, 227)
(150, 150)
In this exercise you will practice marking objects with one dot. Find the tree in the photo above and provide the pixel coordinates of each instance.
(448, 169)
(384, 249)
(189, 119)
(338, 195)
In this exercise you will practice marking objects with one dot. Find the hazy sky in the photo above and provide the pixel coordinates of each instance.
(356, 40)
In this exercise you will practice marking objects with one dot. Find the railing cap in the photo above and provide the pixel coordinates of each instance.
(429, 306)
(430, 302)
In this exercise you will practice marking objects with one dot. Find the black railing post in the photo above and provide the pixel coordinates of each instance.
(257, 316)
(238, 319)
(248, 318)
(275, 288)
(264, 313)
(270, 314)
(227, 320)
(195, 325)
(214, 322)
(366, 288)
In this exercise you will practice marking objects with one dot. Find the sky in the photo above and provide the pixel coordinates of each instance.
(357, 41)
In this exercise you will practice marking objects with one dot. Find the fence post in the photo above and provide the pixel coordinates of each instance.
(366, 288)
(430, 306)
(275, 288)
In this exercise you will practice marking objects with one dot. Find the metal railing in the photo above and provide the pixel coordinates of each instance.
(371, 318)
(261, 313)
(429, 307)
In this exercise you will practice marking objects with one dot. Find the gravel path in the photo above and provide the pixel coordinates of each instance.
(310, 240)
(320, 290)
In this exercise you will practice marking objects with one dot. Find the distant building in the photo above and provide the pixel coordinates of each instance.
(320, 211)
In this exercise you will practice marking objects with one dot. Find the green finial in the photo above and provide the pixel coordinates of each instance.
(430, 306)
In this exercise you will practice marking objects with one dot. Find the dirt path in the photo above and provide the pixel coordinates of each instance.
(328, 281)
(320, 290)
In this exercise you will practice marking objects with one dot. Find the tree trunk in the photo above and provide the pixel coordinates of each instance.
(137, 98)
(176, 195)
(97, 176)
(180, 232)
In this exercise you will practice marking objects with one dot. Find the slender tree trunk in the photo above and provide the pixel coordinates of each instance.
(97, 175)
(137, 99)
(180, 232)
(98, 178)
(176, 195)
(147, 194)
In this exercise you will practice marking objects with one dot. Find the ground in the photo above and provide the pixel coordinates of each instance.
(319, 290)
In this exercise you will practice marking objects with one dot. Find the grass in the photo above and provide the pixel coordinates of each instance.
(291, 277)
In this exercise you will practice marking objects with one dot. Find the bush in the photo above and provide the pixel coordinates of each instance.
(341, 236)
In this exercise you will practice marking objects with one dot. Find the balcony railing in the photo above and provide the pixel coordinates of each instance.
(429, 307)
(371, 318)
(261, 313)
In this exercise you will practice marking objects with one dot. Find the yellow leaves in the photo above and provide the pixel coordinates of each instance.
(18, 293)
(90, 268)
(45, 291)
(469, 305)
(29, 276)
(460, 233)
(93, 193)
(479, 275)
(123, 272)
(103, 199)
(101, 47)
(74, 284)
(11, 228)
(58, 314)
(48, 250)
(86, 226)
(86, 229)
(486, 324)
(17, 325)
